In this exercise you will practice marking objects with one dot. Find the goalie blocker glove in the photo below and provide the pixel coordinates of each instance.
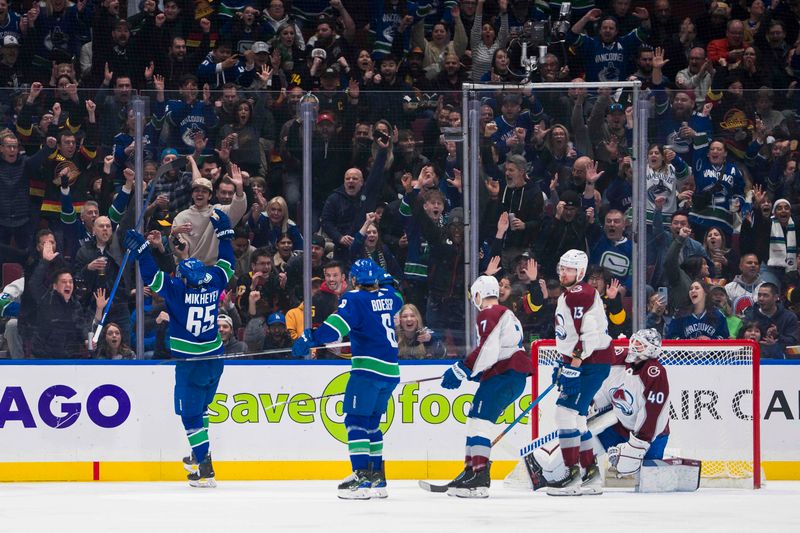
(627, 457)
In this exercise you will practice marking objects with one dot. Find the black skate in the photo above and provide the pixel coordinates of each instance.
(474, 484)
(378, 480)
(592, 481)
(356, 486)
(569, 486)
(203, 477)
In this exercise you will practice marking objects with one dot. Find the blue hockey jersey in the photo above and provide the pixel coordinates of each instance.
(368, 317)
(607, 62)
(193, 311)
(720, 184)
(711, 324)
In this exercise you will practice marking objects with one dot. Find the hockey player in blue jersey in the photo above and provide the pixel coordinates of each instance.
(192, 301)
(367, 315)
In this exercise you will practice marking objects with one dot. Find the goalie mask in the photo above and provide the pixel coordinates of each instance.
(574, 259)
(485, 287)
(194, 272)
(644, 344)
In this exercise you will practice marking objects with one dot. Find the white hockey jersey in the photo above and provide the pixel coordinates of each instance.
(639, 396)
(581, 323)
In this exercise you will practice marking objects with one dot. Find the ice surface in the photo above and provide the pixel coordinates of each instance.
(278, 506)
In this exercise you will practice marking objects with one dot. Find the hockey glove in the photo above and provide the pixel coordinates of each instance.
(454, 375)
(569, 380)
(627, 457)
(136, 243)
(302, 346)
(222, 225)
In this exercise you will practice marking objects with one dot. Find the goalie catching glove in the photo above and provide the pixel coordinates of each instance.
(222, 225)
(627, 457)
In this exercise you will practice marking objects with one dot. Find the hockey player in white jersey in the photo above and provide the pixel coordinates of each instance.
(585, 348)
(502, 366)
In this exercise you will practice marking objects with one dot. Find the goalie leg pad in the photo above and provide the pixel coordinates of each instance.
(669, 475)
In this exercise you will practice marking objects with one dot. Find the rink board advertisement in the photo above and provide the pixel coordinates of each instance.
(116, 420)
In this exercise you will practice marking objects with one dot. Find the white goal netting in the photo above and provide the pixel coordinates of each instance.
(714, 406)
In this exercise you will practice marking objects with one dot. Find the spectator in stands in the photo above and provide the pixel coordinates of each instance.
(609, 290)
(222, 66)
(565, 230)
(194, 223)
(731, 47)
(15, 205)
(348, 204)
(111, 344)
(773, 238)
(440, 41)
(264, 280)
(724, 304)
(779, 325)
(718, 180)
(499, 70)
(367, 243)
(724, 258)
(484, 42)
(179, 62)
(700, 319)
(269, 222)
(678, 276)
(747, 282)
(275, 16)
(656, 310)
(600, 64)
(230, 343)
(267, 335)
(612, 250)
(697, 76)
(60, 325)
(414, 340)
(187, 116)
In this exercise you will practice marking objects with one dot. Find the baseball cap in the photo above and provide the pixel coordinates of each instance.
(259, 47)
(571, 198)
(226, 319)
(742, 304)
(325, 116)
(329, 72)
(456, 216)
(10, 40)
(168, 151)
(202, 182)
(616, 107)
(276, 318)
(416, 51)
(318, 240)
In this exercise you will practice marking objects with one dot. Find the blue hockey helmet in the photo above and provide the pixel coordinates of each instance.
(386, 280)
(366, 272)
(194, 272)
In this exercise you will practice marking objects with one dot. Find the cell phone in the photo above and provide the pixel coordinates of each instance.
(663, 294)
(379, 135)
(511, 217)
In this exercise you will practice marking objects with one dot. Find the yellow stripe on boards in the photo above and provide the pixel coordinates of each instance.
(278, 470)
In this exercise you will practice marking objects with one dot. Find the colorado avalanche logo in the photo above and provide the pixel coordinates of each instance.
(622, 400)
(561, 332)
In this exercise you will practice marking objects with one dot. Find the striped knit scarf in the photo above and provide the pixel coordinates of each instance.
(782, 245)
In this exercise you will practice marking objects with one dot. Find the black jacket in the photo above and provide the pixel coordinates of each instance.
(60, 327)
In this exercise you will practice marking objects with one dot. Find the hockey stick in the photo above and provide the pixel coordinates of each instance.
(163, 169)
(430, 487)
(287, 402)
(250, 354)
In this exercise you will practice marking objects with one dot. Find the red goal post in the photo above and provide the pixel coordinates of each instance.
(709, 382)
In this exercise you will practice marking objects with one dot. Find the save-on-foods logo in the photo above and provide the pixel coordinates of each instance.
(408, 405)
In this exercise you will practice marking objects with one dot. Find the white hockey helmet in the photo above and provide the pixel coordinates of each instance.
(485, 287)
(575, 259)
(644, 344)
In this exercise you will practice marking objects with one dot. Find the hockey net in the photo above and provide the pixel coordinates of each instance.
(714, 405)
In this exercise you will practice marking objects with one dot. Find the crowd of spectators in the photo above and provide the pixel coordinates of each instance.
(222, 84)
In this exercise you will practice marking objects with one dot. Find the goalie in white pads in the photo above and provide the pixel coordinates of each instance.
(500, 364)
(636, 430)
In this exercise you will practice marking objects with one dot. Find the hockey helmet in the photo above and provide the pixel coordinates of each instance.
(574, 259)
(366, 272)
(644, 344)
(485, 287)
(194, 272)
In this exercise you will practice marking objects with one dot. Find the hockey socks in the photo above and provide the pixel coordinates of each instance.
(198, 440)
(376, 449)
(480, 449)
(570, 441)
(586, 450)
(358, 446)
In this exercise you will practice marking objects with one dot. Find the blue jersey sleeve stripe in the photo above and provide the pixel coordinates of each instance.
(339, 324)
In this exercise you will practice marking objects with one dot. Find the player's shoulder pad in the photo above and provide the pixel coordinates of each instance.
(580, 294)
(652, 370)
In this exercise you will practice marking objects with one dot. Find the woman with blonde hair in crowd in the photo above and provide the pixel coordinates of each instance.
(414, 340)
(271, 220)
